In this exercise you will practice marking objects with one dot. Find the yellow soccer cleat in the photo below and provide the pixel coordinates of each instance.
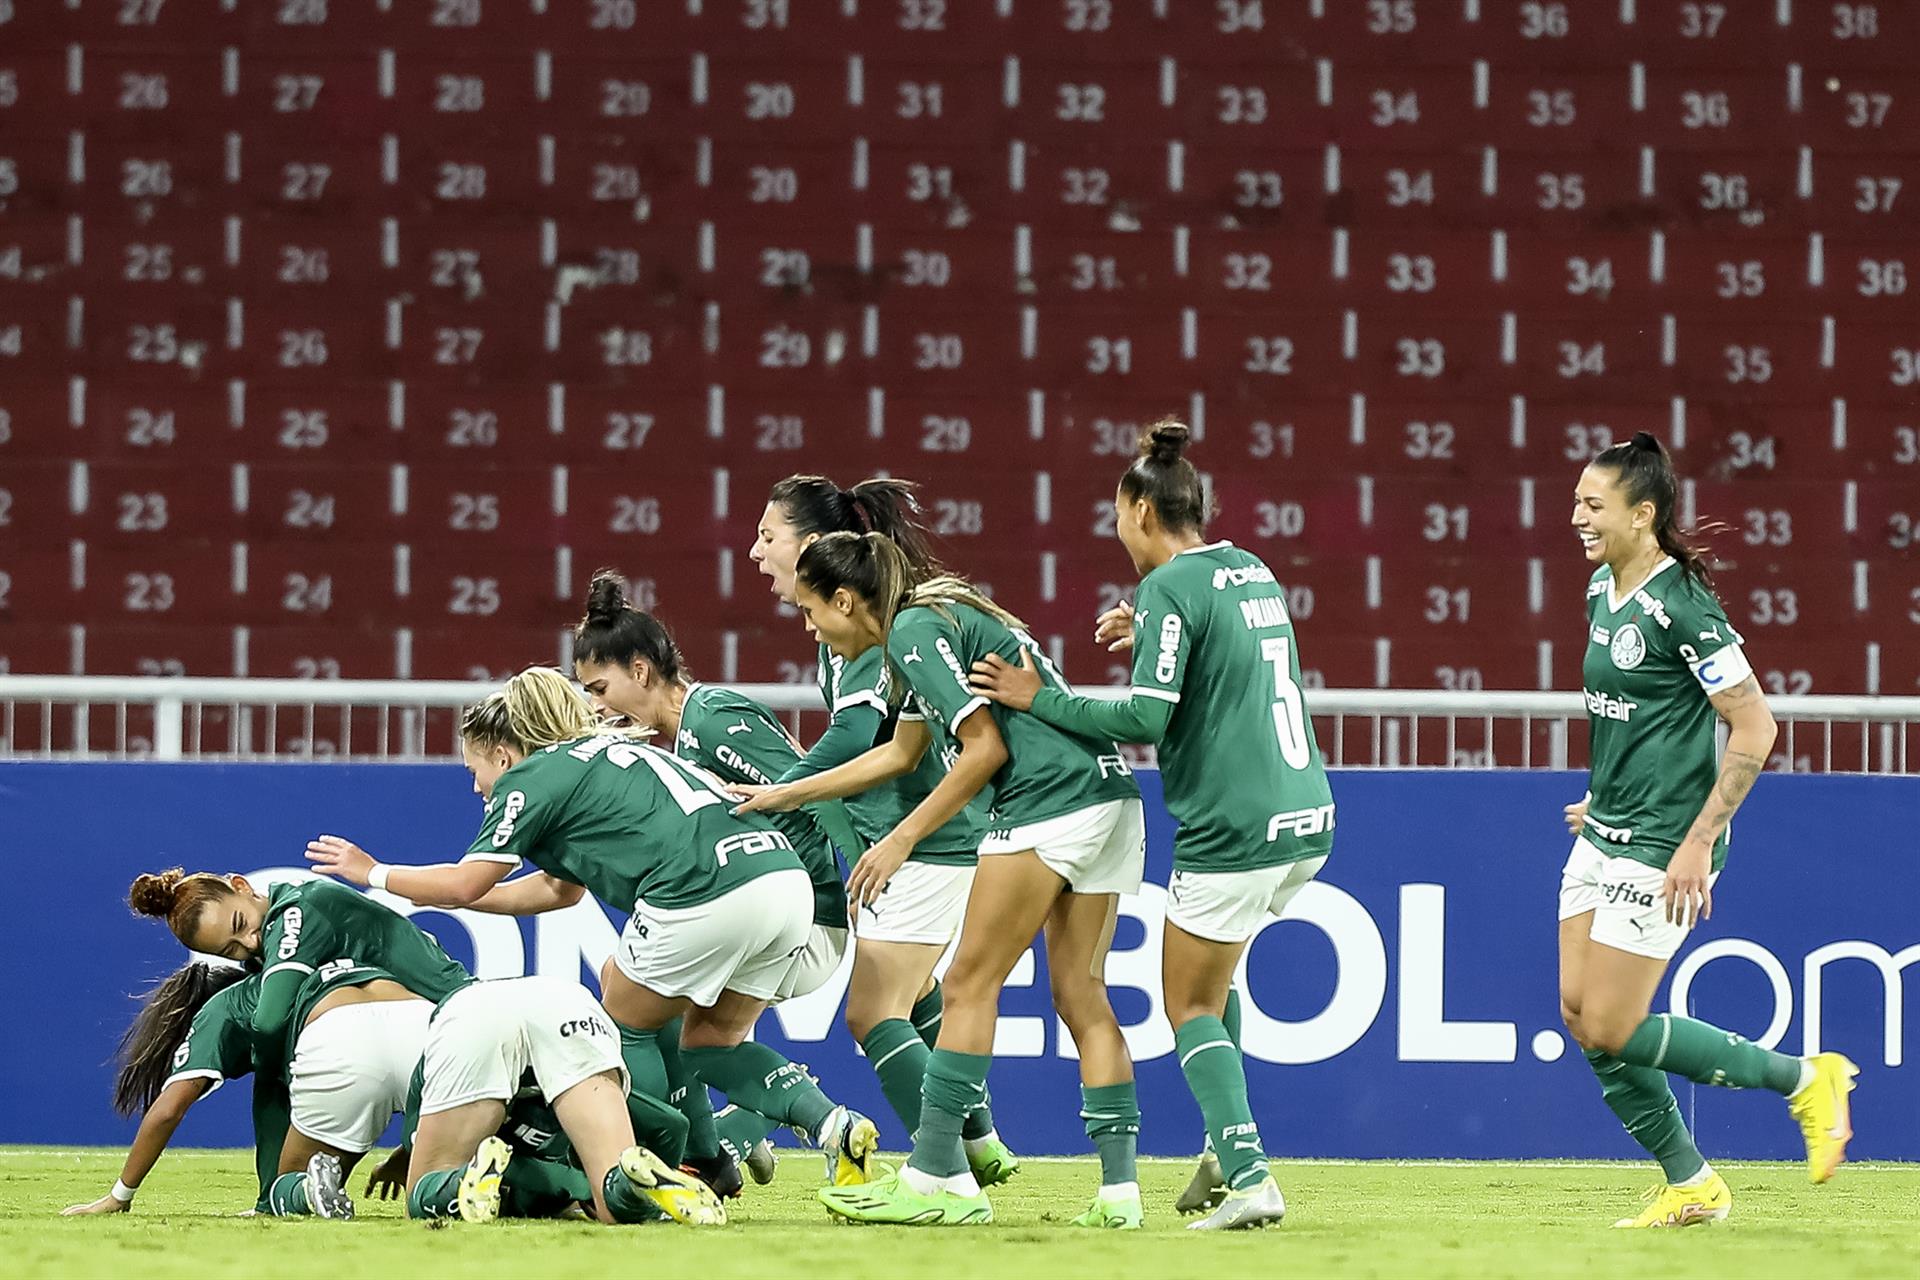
(1823, 1113)
(478, 1199)
(1669, 1206)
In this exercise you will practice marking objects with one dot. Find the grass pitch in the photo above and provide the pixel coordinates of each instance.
(1346, 1219)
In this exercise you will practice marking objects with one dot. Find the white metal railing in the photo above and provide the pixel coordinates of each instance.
(169, 718)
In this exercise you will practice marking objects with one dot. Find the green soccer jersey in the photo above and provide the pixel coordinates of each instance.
(219, 1043)
(1049, 771)
(1241, 769)
(1653, 659)
(853, 687)
(630, 822)
(732, 736)
(317, 922)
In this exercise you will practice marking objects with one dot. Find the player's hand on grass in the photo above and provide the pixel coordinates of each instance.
(876, 866)
(1006, 684)
(388, 1181)
(1689, 895)
(332, 856)
(1114, 628)
(761, 799)
(105, 1204)
(1576, 817)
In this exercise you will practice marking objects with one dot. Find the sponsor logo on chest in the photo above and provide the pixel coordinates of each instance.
(727, 756)
(1169, 658)
(746, 843)
(1301, 822)
(1628, 647)
(1240, 576)
(1607, 707)
(1601, 635)
(952, 660)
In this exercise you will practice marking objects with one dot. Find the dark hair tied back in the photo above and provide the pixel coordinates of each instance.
(816, 505)
(1163, 476)
(1644, 472)
(614, 631)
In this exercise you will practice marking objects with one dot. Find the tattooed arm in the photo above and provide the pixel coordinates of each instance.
(1744, 708)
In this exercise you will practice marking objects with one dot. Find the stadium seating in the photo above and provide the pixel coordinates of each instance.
(346, 338)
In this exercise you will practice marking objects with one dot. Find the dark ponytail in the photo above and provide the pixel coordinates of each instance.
(873, 568)
(1163, 476)
(166, 1015)
(612, 630)
(816, 505)
(1644, 471)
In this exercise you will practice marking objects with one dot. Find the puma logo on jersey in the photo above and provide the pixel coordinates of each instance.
(742, 727)
(1711, 633)
(911, 655)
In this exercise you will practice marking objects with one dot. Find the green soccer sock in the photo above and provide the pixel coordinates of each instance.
(1705, 1054)
(287, 1197)
(1231, 1018)
(624, 1200)
(691, 1097)
(1112, 1115)
(1218, 1081)
(955, 1083)
(537, 1188)
(646, 1069)
(1644, 1101)
(928, 1012)
(899, 1057)
(755, 1078)
(434, 1196)
(658, 1127)
(741, 1130)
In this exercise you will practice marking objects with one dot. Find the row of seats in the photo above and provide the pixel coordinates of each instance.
(1521, 32)
(805, 348)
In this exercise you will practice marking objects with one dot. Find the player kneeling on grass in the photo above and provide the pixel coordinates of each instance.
(720, 906)
(482, 1041)
(1068, 839)
(1216, 683)
(1662, 662)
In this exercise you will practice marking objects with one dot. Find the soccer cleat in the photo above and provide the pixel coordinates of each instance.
(1670, 1206)
(478, 1199)
(681, 1196)
(1112, 1215)
(892, 1201)
(761, 1162)
(849, 1140)
(721, 1172)
(1824, 1113)
(1207, 1188)
(326, 1195)
(992, 1161)
(1260, 1205)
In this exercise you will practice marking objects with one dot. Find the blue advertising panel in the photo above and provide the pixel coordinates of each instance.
(1407, 1007)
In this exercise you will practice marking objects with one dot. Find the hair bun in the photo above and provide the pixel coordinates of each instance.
(154, 895)
(1165, 441)
(1647, 442)
(606, 595)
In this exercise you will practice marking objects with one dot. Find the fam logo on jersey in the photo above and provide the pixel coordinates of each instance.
(1629, 648)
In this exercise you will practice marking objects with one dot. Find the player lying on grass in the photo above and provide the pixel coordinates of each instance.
(895, 1005)
(1663, 665)
(485, 1041)
(720, 907)
(1068, 839)
(328, 1086)
(1216, 684)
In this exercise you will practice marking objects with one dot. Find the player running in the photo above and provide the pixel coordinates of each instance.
(1068, 838)
(720, 905)
(1217, 685)
(895, 1005)
(1662, 661)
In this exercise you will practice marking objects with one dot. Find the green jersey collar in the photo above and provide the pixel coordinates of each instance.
(1614, 605)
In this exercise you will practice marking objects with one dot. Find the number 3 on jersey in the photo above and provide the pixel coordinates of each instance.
(1289, 711)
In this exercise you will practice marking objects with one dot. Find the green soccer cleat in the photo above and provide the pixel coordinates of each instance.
(1260, 1205)
(992, 1161)
(478, 1199)
(1207, 1189)
(1112, 1215)
(677, 1194)
(891, 1201)
(325, 1194)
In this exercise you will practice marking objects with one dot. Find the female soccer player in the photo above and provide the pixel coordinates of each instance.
(720, 905)
(893, 999)
(1069, 840)
(484, 1038)
(1662, 662)
(1216, 683)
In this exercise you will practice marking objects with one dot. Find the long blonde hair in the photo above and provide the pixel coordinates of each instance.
(535, 709)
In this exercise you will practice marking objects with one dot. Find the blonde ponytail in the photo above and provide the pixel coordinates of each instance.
(536, 709)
